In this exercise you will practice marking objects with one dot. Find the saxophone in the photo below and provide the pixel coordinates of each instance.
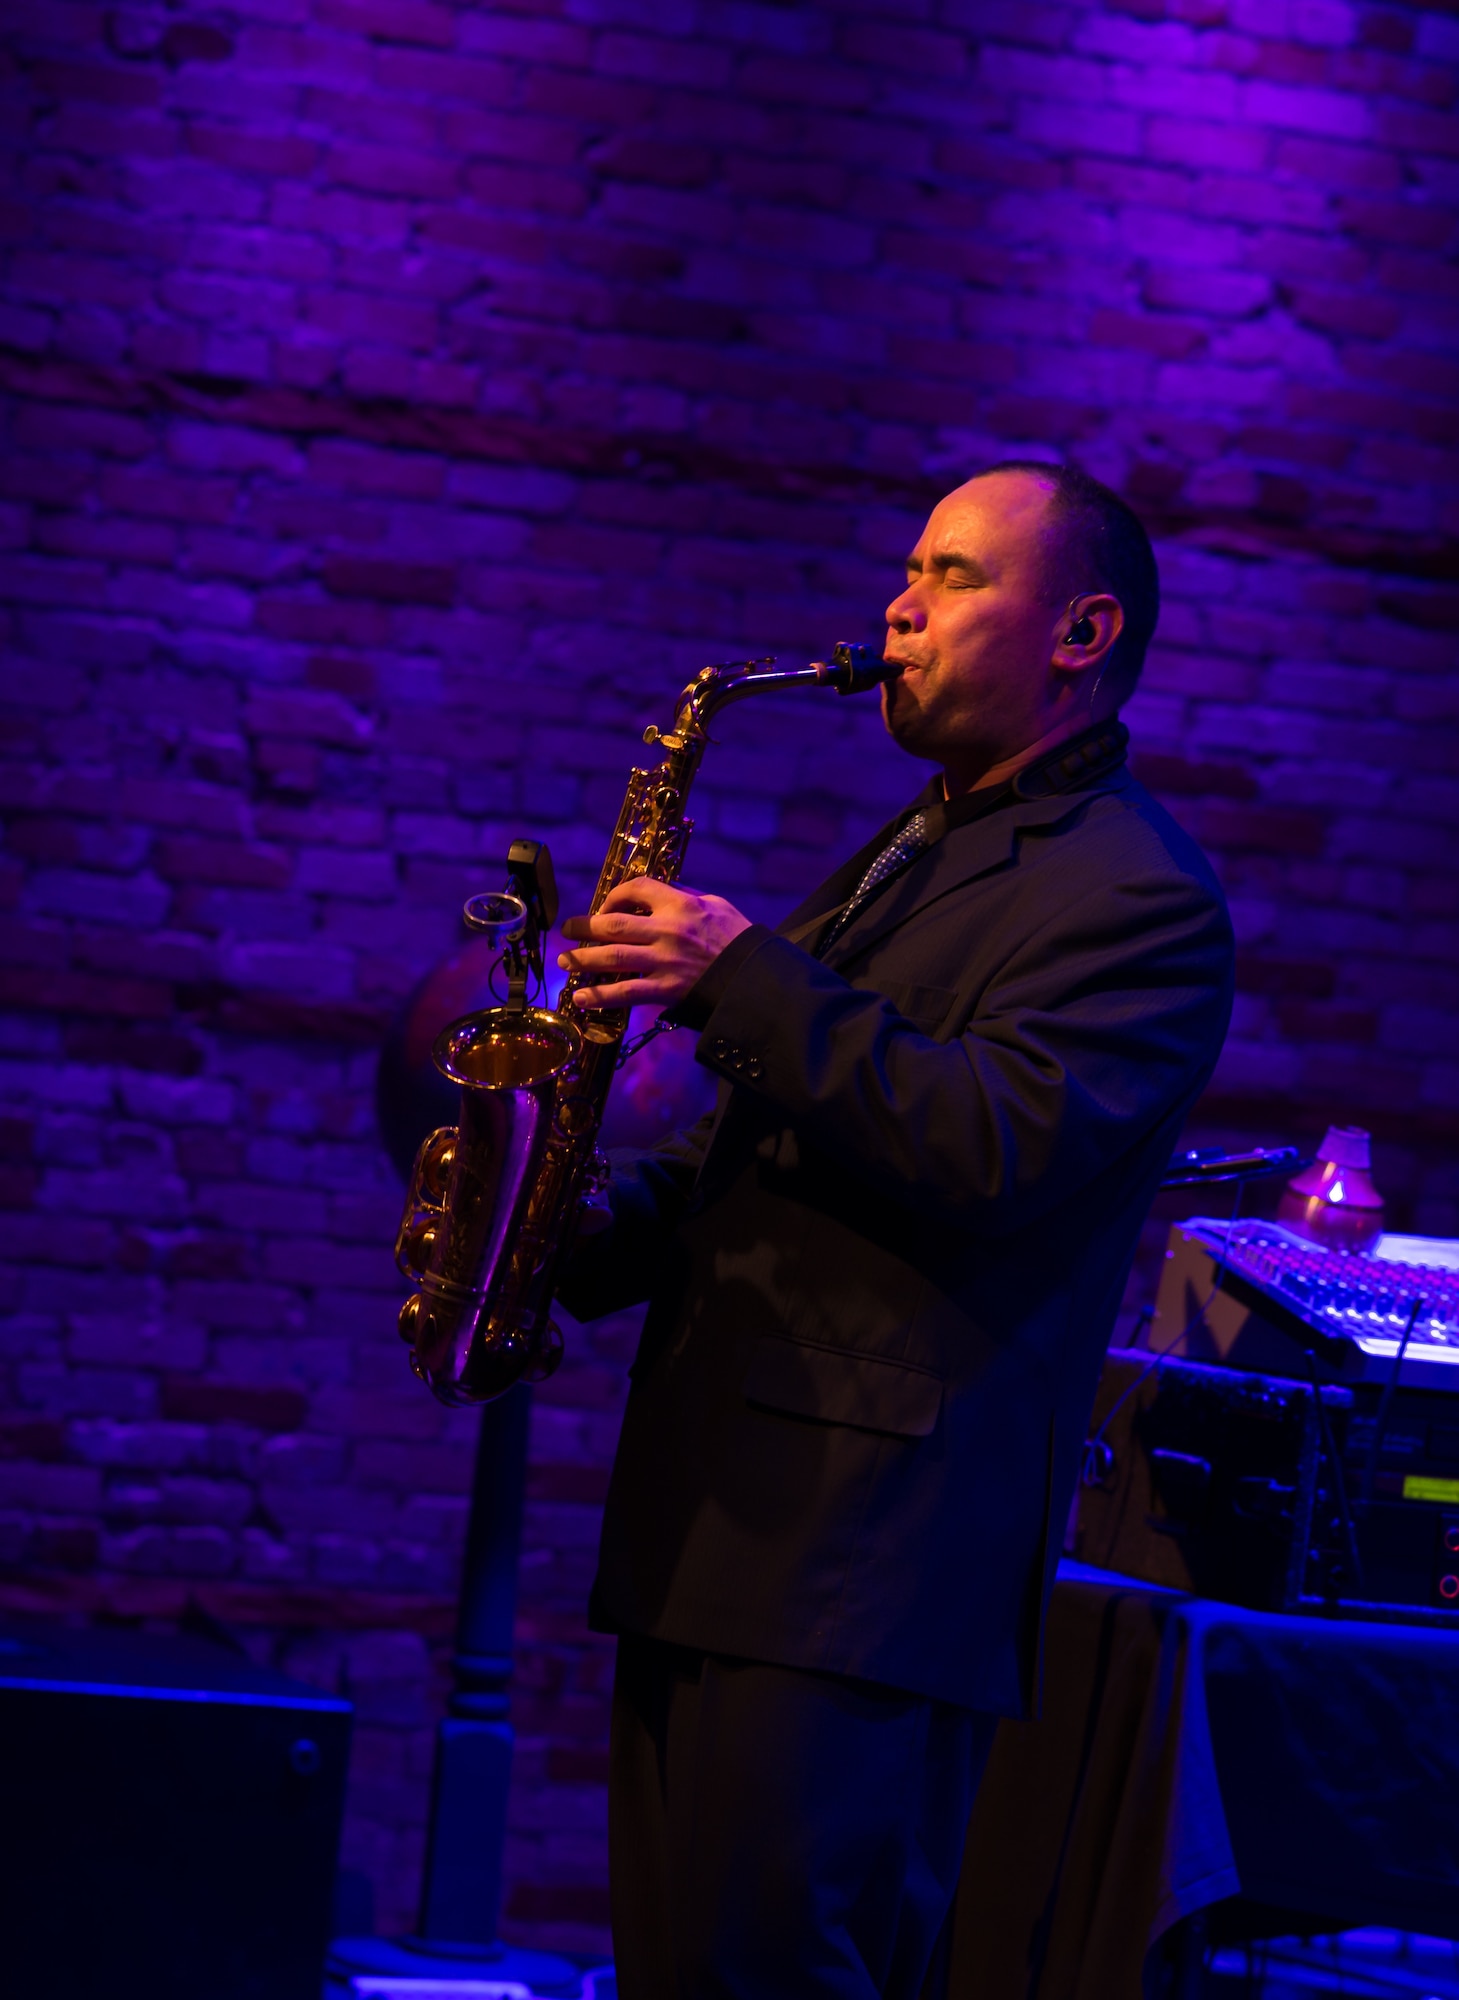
(494, 1200)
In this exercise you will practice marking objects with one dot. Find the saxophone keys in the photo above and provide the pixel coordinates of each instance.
(416, 1242)
(574, 1115)
(433, 1164)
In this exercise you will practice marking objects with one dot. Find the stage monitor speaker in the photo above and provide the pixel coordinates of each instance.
(170, 1819)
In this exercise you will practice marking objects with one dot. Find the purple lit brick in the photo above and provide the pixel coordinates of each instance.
(404, 401)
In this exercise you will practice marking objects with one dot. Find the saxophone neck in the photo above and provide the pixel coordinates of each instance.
(652, 831)
(850, 670)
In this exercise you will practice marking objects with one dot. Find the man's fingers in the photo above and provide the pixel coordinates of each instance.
(639, 910)
(644, 892)
(613, 924)
(597, 958)
(627, 993)
(650, 940)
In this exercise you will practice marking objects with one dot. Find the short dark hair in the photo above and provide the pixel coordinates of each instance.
(1098, 543)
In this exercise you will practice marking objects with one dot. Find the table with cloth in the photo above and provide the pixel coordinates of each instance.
(1190, 1753)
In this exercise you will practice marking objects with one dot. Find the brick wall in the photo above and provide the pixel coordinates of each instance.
(401, 398)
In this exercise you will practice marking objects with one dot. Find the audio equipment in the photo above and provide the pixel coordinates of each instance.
(1272, 1492)
(171, 1819)
(1258, 1295)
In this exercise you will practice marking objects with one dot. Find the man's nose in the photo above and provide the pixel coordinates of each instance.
(905, 614)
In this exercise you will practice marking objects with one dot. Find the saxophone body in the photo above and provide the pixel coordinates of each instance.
(494, 1200)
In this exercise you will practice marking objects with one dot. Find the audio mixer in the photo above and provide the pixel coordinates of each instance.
(1255, 1295)
(1289, 1436)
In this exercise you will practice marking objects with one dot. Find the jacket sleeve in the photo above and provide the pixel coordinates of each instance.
(617, 1265)
(1105, 1020)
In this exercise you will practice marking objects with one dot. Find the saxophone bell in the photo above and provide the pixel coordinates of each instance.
(471, 1236)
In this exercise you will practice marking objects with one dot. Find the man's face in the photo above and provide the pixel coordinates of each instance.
(974, 628)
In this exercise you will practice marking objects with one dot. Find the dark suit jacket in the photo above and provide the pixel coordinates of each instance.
(884, 1275)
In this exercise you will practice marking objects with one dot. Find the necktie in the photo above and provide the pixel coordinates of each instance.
(894, 857)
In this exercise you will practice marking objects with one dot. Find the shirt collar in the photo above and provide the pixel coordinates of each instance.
(1071, 765)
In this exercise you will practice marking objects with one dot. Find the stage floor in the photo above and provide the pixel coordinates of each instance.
(1358, 1965)
(393, 1969)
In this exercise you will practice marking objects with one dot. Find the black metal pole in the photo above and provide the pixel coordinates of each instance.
(461, 1893)
(462, 1886)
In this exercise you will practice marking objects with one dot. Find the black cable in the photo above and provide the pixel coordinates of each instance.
(528, 962)
(1339, 1481)
(1385, 1403)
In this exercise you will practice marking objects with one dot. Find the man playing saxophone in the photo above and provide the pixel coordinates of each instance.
(883, 1274)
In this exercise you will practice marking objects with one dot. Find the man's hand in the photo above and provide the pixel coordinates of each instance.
(657, 941)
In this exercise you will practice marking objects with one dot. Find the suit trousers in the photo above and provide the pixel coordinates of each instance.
(774, 1832)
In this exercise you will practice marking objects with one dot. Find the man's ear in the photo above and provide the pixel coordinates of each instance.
(1087, 632)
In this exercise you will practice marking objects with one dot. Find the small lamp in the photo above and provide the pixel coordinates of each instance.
(1334, 1200)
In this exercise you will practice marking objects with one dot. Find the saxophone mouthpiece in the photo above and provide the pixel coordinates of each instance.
(855, 669)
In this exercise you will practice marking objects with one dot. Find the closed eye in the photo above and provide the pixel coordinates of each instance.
(962, 569)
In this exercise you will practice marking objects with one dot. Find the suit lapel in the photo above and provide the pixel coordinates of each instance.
(809, 917)
(963, 854)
